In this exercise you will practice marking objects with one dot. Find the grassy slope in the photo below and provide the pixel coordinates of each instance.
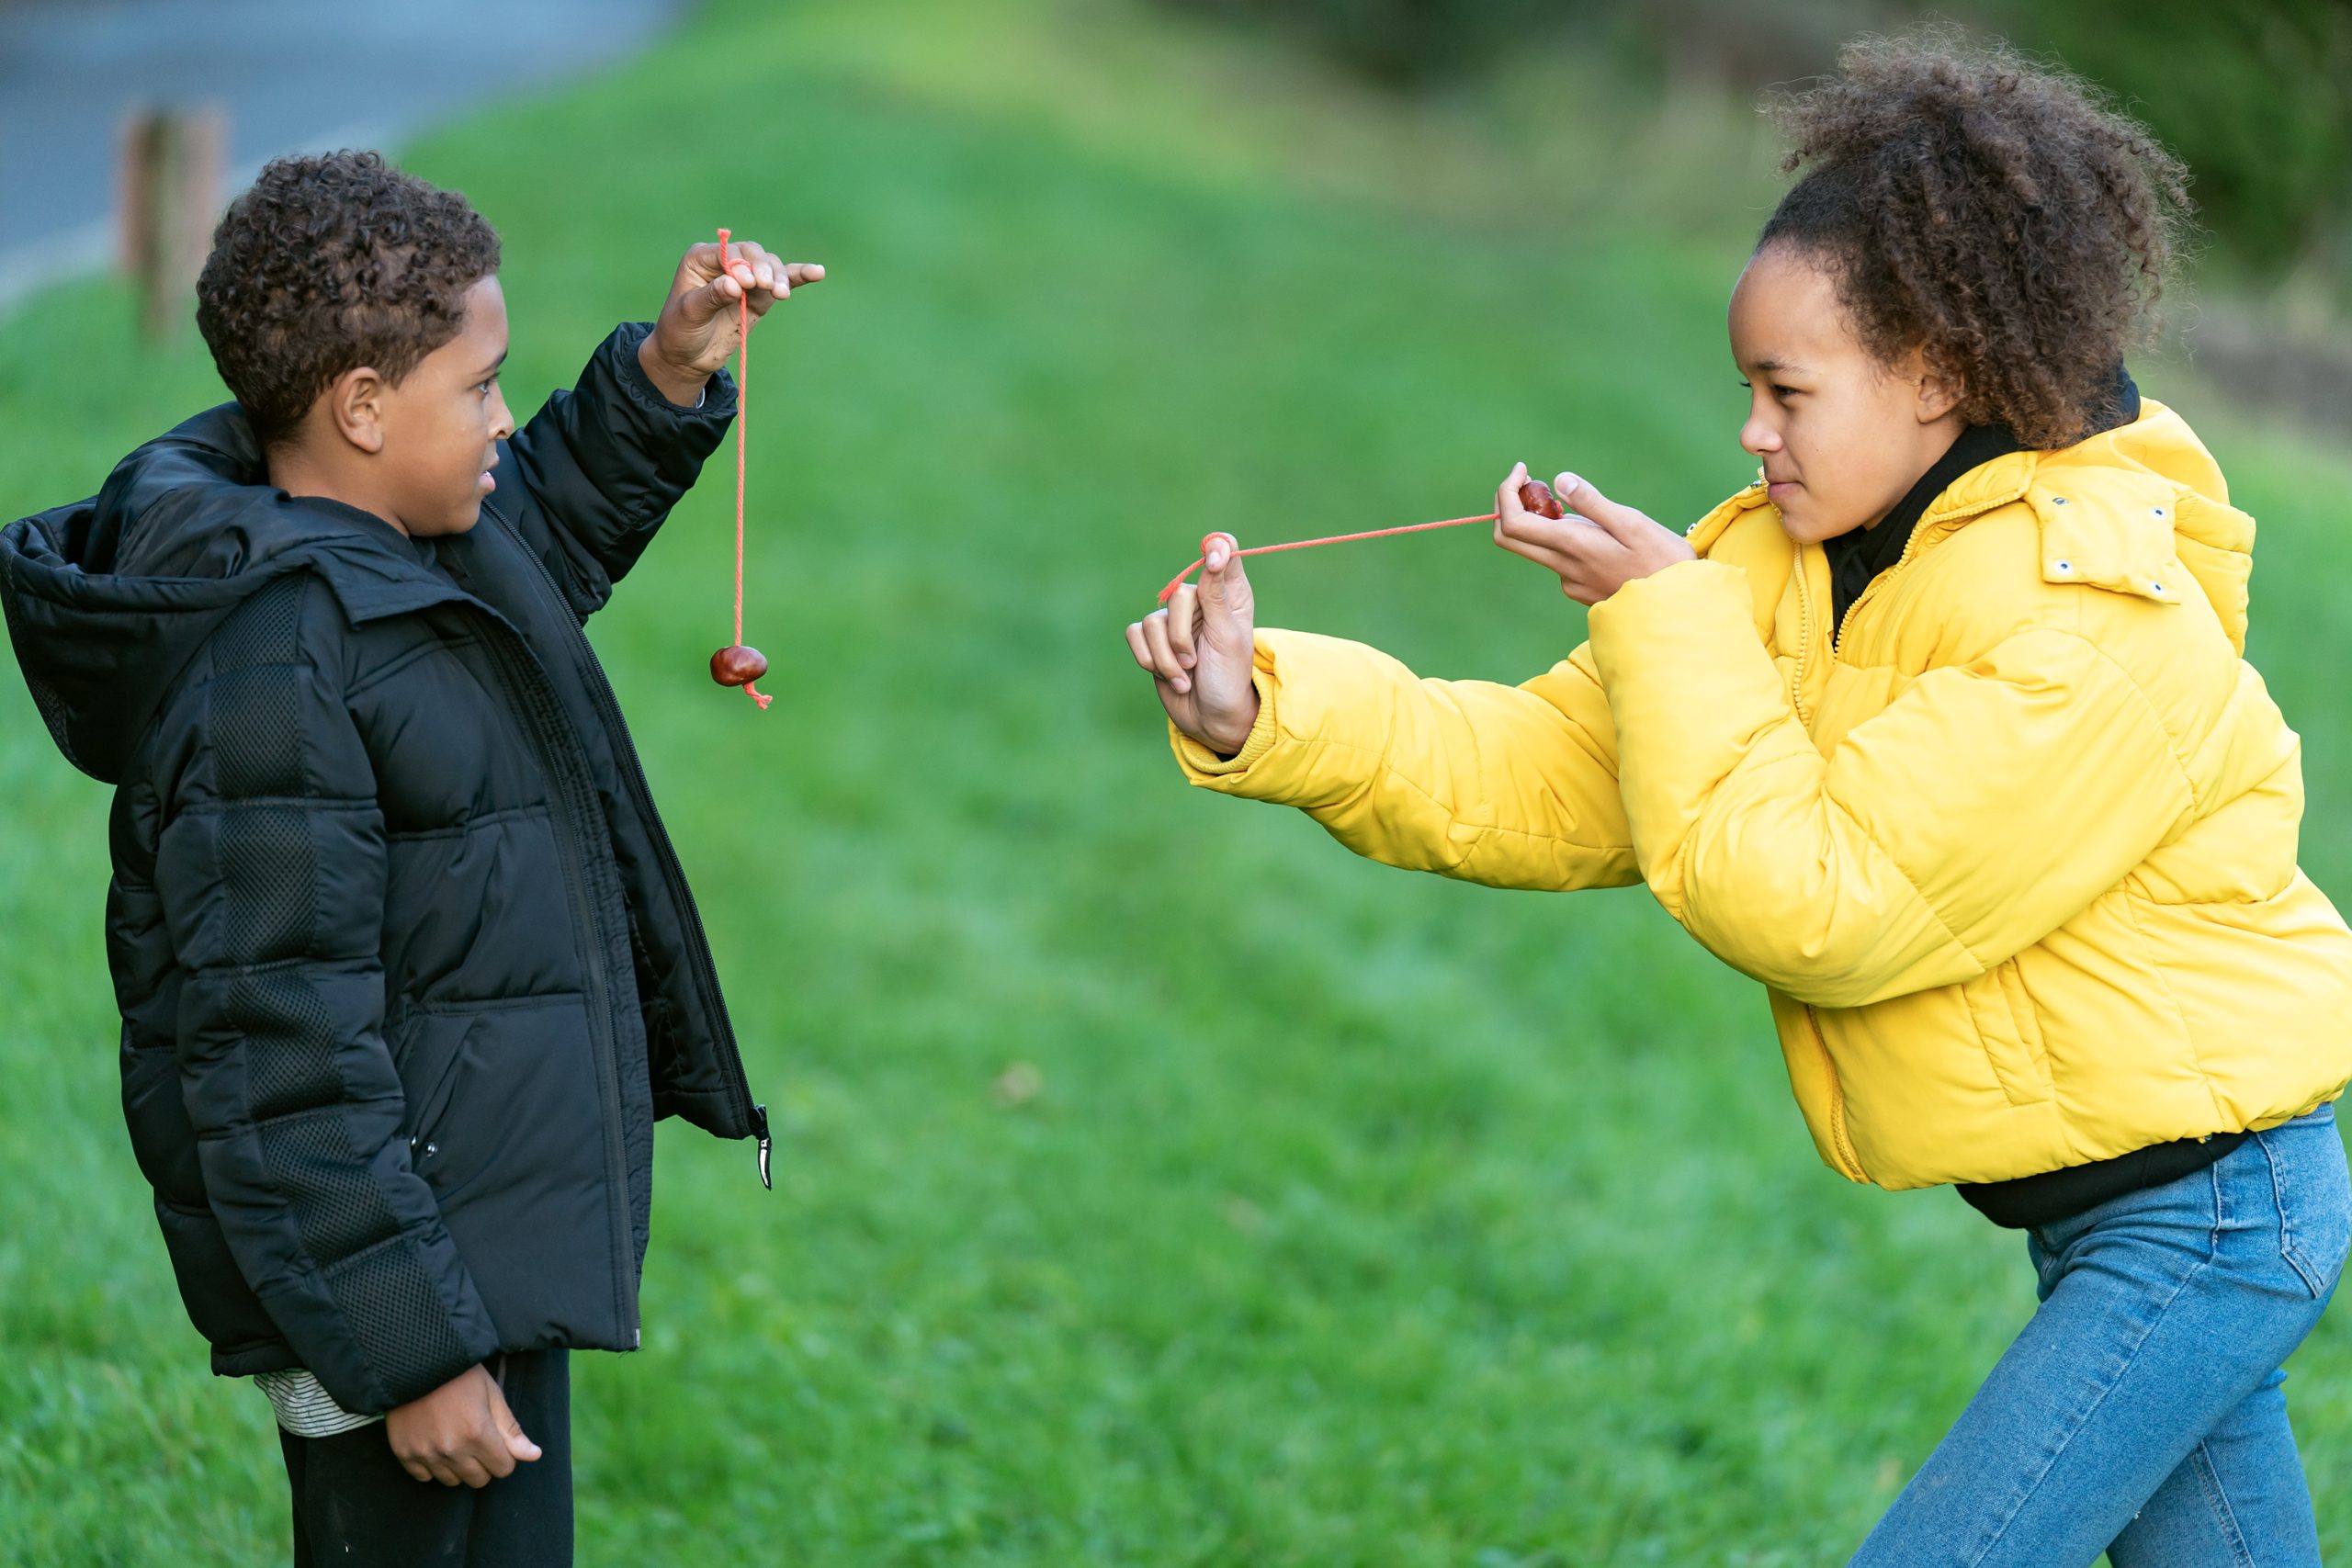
(1361, 1218)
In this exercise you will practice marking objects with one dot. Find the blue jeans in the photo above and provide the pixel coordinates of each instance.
(2140, 1413)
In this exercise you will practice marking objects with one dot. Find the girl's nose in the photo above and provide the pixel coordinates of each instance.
(1758, 438)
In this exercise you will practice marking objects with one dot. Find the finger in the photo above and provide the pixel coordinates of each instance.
(515, 1443)
(442, 1471)
(1543, 555)
(497, 1459)
(1135, 644)
(470, 1471)
(802, 274)
(1579, 496)
(756, 269)
(416, 1472)
(1163, 658)
(1184, 607)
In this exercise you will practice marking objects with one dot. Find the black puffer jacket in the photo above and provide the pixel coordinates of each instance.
(406, 965)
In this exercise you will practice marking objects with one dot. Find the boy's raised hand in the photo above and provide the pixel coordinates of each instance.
(1597, 548)
(1199, 651)
(695, 333)
(462, 1434)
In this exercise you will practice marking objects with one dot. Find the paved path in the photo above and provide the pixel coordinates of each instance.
(295, 75)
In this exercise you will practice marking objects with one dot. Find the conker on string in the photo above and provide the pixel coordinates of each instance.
(1536, 496)
(737, 665)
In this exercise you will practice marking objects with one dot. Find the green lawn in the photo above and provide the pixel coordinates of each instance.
(1357, 1218)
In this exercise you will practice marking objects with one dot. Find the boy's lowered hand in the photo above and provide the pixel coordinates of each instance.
(695, 333)
(1199, 651)
(460, 1434)
(1597, 548)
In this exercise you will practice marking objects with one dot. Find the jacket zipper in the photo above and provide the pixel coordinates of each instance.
(564, 770)
(1838, 1139)
(704, 967)
(1912, 548)
(1804, 640)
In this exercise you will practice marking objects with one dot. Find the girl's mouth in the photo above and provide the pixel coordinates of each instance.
(1778, 488)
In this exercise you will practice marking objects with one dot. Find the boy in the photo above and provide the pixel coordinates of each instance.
(407, 967)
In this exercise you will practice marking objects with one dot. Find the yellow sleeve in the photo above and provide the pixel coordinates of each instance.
(1986, 805)
(1513, 786)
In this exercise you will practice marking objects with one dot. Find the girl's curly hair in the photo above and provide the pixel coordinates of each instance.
(328, 263)
(2002, 216)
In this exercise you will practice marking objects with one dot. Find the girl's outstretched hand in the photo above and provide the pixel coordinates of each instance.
(1597, 548)
(1199, 651)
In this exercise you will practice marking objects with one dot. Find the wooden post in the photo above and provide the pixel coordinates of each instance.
(170, 191)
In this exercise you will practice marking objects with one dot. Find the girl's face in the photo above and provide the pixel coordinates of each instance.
(1842, 433)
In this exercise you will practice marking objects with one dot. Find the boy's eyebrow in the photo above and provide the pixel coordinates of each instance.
(1778, 364)
(494, 364)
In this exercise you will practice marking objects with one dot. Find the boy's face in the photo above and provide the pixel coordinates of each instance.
(1842, 433)
(441, 425)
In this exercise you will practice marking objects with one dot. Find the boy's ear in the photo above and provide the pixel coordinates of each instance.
(354, 408)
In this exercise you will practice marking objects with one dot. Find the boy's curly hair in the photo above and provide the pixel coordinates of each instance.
(2002, 216)
(328, 263)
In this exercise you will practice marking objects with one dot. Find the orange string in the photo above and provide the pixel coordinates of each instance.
(1178, 581)
(742, 405)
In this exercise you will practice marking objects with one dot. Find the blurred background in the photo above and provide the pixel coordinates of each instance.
(1156, 1183)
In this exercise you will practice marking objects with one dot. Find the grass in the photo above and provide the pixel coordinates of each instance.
(1157, 1184)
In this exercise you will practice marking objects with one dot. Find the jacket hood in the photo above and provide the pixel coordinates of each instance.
(108, 599)
(2120, 508)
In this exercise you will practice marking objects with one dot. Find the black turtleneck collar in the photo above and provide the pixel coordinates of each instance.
(1856, 557)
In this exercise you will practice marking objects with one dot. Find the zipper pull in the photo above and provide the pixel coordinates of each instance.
(759, 1131)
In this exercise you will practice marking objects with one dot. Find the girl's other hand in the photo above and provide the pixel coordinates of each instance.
(1201, 648)
(1595, 550)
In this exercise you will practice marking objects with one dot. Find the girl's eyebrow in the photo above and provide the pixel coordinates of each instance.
(1779, 366)
(497, 362)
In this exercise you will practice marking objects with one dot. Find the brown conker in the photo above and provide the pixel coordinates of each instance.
(1537, 497)
(737, 665)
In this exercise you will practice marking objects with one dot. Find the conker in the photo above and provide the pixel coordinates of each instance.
(737, 665)
(1536, 496)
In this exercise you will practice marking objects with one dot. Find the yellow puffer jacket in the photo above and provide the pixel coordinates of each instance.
(2015, 859)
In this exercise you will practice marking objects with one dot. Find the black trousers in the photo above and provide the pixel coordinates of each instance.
(355, 1507)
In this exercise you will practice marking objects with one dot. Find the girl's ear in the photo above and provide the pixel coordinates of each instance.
(1939, 390)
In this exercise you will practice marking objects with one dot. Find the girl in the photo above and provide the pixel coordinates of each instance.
(1942, 730)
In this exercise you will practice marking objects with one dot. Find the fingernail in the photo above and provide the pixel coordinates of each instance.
(1569, 481)
(1188, 660)
(1216, 561)
(1182, 685)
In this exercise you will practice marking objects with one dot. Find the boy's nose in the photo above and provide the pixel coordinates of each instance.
(1758, 438)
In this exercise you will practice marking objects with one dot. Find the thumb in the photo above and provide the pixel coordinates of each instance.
(1579, 497)
(517, 1443)
(718, 297)
(1225, 586)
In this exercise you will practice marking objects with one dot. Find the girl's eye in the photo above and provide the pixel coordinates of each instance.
(1779, 391)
